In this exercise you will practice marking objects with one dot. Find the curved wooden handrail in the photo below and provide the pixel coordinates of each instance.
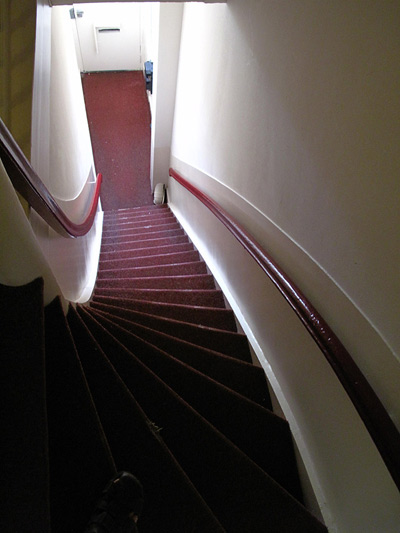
(30, 186)
(371, 410)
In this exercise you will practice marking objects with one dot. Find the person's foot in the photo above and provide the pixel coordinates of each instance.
(119, 507)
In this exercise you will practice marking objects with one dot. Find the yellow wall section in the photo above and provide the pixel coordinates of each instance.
(17, 51)
(17, 37)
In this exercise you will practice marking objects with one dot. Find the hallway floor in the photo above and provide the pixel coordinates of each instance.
(120, 127)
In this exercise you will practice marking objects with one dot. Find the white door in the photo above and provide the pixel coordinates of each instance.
(108, 36)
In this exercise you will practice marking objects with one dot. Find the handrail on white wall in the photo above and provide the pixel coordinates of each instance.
(30, 186)
(371, 410)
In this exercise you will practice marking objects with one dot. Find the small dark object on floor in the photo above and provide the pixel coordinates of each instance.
(119, 507)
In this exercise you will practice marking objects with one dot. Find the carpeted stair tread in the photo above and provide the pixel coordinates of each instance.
(80, 458)
(238, 492)
(205, 316)
(162, 223)
(258, 432)
(230, 344)
(24, 452)
(227, 342)
(158, 249)
(143, 229)
(172, 504)
(145, 243)
(137, 209)
(135, 223)
(145, 210)
(146, 252)
(240, 376)
(151, 210)
(143, 236)
(205, 298)
(136, 220)
(198, 281)
(178, 269)
(152, 260)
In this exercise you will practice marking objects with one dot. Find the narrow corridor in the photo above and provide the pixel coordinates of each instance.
(119, 120)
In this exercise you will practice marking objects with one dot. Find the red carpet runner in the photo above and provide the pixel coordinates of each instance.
(151, 377)
(119, 121)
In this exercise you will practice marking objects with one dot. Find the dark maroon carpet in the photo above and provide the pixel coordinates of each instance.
(147, 379)
(24, 439)
(119, 120)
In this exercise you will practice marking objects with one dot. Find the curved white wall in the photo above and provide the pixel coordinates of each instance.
(287, 113)
(71, 158)
(21, 259)
(338, 454)
(62, 152)
(294, 105)
(167, 21)
(295, 113)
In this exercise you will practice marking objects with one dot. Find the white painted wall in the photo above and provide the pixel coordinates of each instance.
(21, 259)
(288, 114)
(71, 158)
(108, 36)
(295, 156)
(149, 16)
(164, 88)
(40, 138)
(62, 154)
(338, 454)
(303, 97)
(150, 23)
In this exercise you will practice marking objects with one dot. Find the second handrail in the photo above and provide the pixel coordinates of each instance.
(371, 410)
(31, 187)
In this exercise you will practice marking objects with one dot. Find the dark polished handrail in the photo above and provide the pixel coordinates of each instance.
(30, 186)
(371, 410)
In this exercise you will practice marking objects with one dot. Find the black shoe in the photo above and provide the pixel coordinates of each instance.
(119, 507)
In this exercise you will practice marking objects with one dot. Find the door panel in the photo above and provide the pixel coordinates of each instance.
(108, 36)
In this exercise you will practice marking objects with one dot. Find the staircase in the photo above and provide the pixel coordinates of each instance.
(151, 377)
